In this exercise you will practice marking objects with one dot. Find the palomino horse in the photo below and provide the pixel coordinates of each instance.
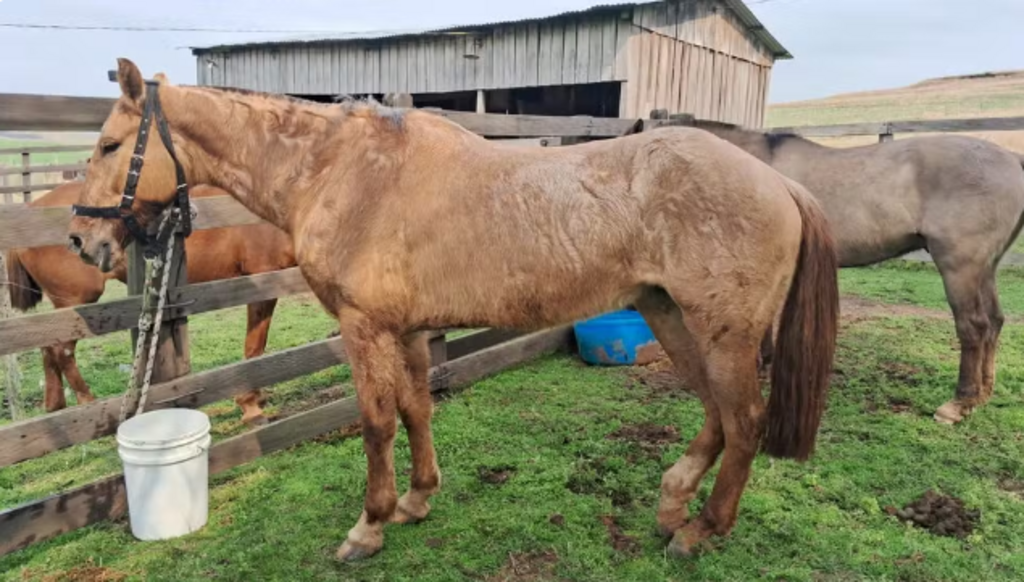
(404, 222)
(219, 253)
(960, 198)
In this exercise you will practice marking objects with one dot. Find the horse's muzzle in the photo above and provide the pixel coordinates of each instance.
(100, 255)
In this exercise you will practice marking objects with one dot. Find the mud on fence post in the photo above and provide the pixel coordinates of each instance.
(11, 373)
(172, 357)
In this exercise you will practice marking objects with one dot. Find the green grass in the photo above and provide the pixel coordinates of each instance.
(39, 158)
(913, 283)
(282, 517)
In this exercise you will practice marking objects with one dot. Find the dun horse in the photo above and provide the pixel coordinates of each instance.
(959, 198)
(404, 222)
(220, 253)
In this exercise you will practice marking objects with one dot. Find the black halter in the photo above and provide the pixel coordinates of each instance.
(151, 243)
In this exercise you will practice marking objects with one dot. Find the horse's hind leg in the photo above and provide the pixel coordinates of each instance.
(996, 320)
(680, 482)
(69, 366)
(258, 328)
(53, 394)
(974, 304)
(731, 367)
(416, 406)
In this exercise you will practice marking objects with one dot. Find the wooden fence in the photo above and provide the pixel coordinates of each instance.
(455, 363)
(19, 181)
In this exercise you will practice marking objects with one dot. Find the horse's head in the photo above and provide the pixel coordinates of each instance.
(118, 201)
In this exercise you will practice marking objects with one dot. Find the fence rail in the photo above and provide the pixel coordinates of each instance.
(37, 177)
(455, 363)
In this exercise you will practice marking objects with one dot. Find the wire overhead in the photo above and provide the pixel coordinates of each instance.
(26, 25)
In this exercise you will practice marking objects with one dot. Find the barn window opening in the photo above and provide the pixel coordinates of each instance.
(593, 99)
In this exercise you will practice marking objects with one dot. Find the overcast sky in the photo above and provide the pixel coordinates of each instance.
(839, 45)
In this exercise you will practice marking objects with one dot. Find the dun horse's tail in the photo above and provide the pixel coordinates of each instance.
(802, 366)
(24, 290)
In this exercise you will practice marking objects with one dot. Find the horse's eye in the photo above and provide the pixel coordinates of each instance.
(109, 148)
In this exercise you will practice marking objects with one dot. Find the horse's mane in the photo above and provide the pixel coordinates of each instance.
(346, 103)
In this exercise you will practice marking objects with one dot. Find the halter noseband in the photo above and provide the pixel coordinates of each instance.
(151, 109)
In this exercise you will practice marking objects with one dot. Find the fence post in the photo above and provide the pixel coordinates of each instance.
(8, 197)
(172, 357)
(12, 376)
(26, 177)
(886, 135)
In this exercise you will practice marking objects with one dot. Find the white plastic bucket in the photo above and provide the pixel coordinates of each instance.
(166, 472)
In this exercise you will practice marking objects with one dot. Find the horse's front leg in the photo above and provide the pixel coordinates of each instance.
(377, 359)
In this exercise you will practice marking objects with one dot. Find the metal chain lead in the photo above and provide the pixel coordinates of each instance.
(150, 321)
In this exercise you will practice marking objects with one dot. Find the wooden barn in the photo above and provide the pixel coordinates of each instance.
(710, 58)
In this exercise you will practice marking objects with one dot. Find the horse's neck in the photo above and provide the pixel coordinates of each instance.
(231, 146)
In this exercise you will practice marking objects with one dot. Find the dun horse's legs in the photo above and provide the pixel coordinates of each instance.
(680, 482)
(990, 297)
(732, 381)
(377, 359)
(258, 328)
(964, 284)
(415, 405)
(53, 396)
(65, 354)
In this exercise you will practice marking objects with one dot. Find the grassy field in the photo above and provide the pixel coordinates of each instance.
(987, 95)
(551, 470)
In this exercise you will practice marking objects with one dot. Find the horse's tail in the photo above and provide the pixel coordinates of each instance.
(24, 290)
(802, 366)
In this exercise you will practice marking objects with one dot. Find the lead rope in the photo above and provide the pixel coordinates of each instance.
(150, 320)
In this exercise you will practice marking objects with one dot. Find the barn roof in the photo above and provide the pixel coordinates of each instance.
(737, 6)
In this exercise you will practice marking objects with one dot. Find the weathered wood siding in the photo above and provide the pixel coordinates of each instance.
(579, 50)
(686, 56)
(694, 57)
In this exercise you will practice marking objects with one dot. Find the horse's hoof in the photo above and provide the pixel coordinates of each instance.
(679, 548)
(950, 413)
(351, 551)
(407, 512)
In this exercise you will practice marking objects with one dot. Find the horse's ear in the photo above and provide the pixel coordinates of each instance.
(130, 80)
(161, 79)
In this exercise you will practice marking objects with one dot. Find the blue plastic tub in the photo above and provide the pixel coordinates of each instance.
(614, 339)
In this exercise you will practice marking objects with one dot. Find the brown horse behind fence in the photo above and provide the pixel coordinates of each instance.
(404, 222)
(960, 198)
(214, 254)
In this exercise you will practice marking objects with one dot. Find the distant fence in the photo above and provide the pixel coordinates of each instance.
(20, 180)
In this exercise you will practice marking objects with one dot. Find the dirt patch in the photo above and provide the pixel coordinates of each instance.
(621, 542)
(659, 378)
(557, 520)
(901, 373)
(899, 405)
(495, 475)
(434, 543)
(853, 309)
(1013, 486)
(649, 353)
(527, 567)
(88, 572)
(651, 438)
(941, 515)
